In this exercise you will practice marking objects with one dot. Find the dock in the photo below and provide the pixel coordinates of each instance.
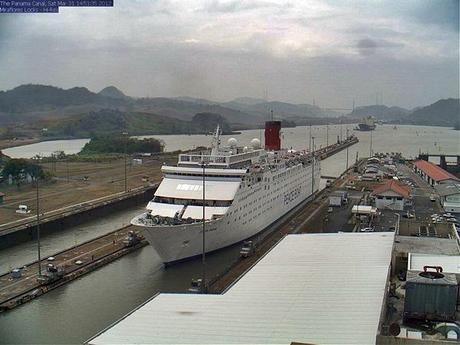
(76, 210)
(75, 262)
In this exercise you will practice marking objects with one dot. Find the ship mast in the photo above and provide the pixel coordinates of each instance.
(216, 141)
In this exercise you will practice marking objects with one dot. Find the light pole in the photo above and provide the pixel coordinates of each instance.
(38, 223)
(310, 140)
(125, 134)
(370, 146)
(203, 254)
(313, 166)
(327, 135)
(397, 224)
(347, 152)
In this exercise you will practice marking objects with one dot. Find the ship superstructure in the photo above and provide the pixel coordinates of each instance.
(245, 190)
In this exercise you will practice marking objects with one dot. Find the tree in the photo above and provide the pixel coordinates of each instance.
(19, 168)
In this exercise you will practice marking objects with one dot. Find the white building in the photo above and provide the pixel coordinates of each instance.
(391, 195)
(449, 196)
(310, 288)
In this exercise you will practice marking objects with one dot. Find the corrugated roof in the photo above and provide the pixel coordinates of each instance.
(449, 263)
(444, 189)
(311, 288)
(433, 171)
(393, 185)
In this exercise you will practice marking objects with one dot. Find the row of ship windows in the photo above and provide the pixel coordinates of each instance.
(276, 190)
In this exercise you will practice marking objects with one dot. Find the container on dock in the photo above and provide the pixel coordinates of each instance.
(431, 295)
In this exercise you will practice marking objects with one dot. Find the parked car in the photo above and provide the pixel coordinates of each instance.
(330, 210)
(432, 197)
(368, 229)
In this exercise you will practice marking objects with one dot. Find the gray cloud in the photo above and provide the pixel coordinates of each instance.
(367, 46)
(232, 6)
(333, 51)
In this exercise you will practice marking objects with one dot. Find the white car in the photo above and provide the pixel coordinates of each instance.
(51, 258)
(367, 229)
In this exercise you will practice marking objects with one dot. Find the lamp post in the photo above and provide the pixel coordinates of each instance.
(313, 166)
(125, 134)
(203, 254)
(38, 222)
(397, 224)
(370, 146)
(347, 152)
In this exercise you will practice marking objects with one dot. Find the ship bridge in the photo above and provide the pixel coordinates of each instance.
(180, 194)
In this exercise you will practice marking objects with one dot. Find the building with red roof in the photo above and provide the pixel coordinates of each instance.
(433, 174)
(391, 195)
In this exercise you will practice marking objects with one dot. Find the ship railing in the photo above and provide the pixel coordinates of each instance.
(218, 159)
(184, 158)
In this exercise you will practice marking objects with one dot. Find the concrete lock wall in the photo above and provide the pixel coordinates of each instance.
(62, 223)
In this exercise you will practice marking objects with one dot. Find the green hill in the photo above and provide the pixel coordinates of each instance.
(135, 123)
(445, 112)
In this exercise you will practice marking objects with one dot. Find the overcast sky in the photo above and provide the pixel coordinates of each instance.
(332, 51)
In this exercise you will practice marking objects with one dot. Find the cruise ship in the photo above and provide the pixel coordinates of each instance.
(235, 191)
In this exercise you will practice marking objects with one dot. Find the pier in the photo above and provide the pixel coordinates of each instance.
(75, 262)
(76, 213)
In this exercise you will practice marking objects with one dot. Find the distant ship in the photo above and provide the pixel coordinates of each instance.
(367, 124)
(246, 190)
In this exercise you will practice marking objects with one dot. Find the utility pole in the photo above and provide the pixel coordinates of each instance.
(370, 146)
(313, 167)
(327, 135)
(347, 152)
(38, 224)
(340, 130)
(203, 254)
(125, 134)
(67, 169)
(310, 140)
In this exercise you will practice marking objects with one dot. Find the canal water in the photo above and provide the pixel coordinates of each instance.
(75, 312)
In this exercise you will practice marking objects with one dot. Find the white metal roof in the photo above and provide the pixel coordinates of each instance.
(449, 263)
(163, 210)
(196, 212)
(312, 288)
(193, 189)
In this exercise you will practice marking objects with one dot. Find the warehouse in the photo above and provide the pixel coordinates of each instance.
(291, 295)
(449, 196)
(432, 173)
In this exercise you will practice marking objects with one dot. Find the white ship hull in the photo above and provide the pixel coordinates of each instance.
(255, 206)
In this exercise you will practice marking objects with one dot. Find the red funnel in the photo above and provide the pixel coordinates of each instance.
(272, 135)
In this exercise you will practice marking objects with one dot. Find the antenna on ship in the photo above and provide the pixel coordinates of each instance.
(203, 254)
(313, 166)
